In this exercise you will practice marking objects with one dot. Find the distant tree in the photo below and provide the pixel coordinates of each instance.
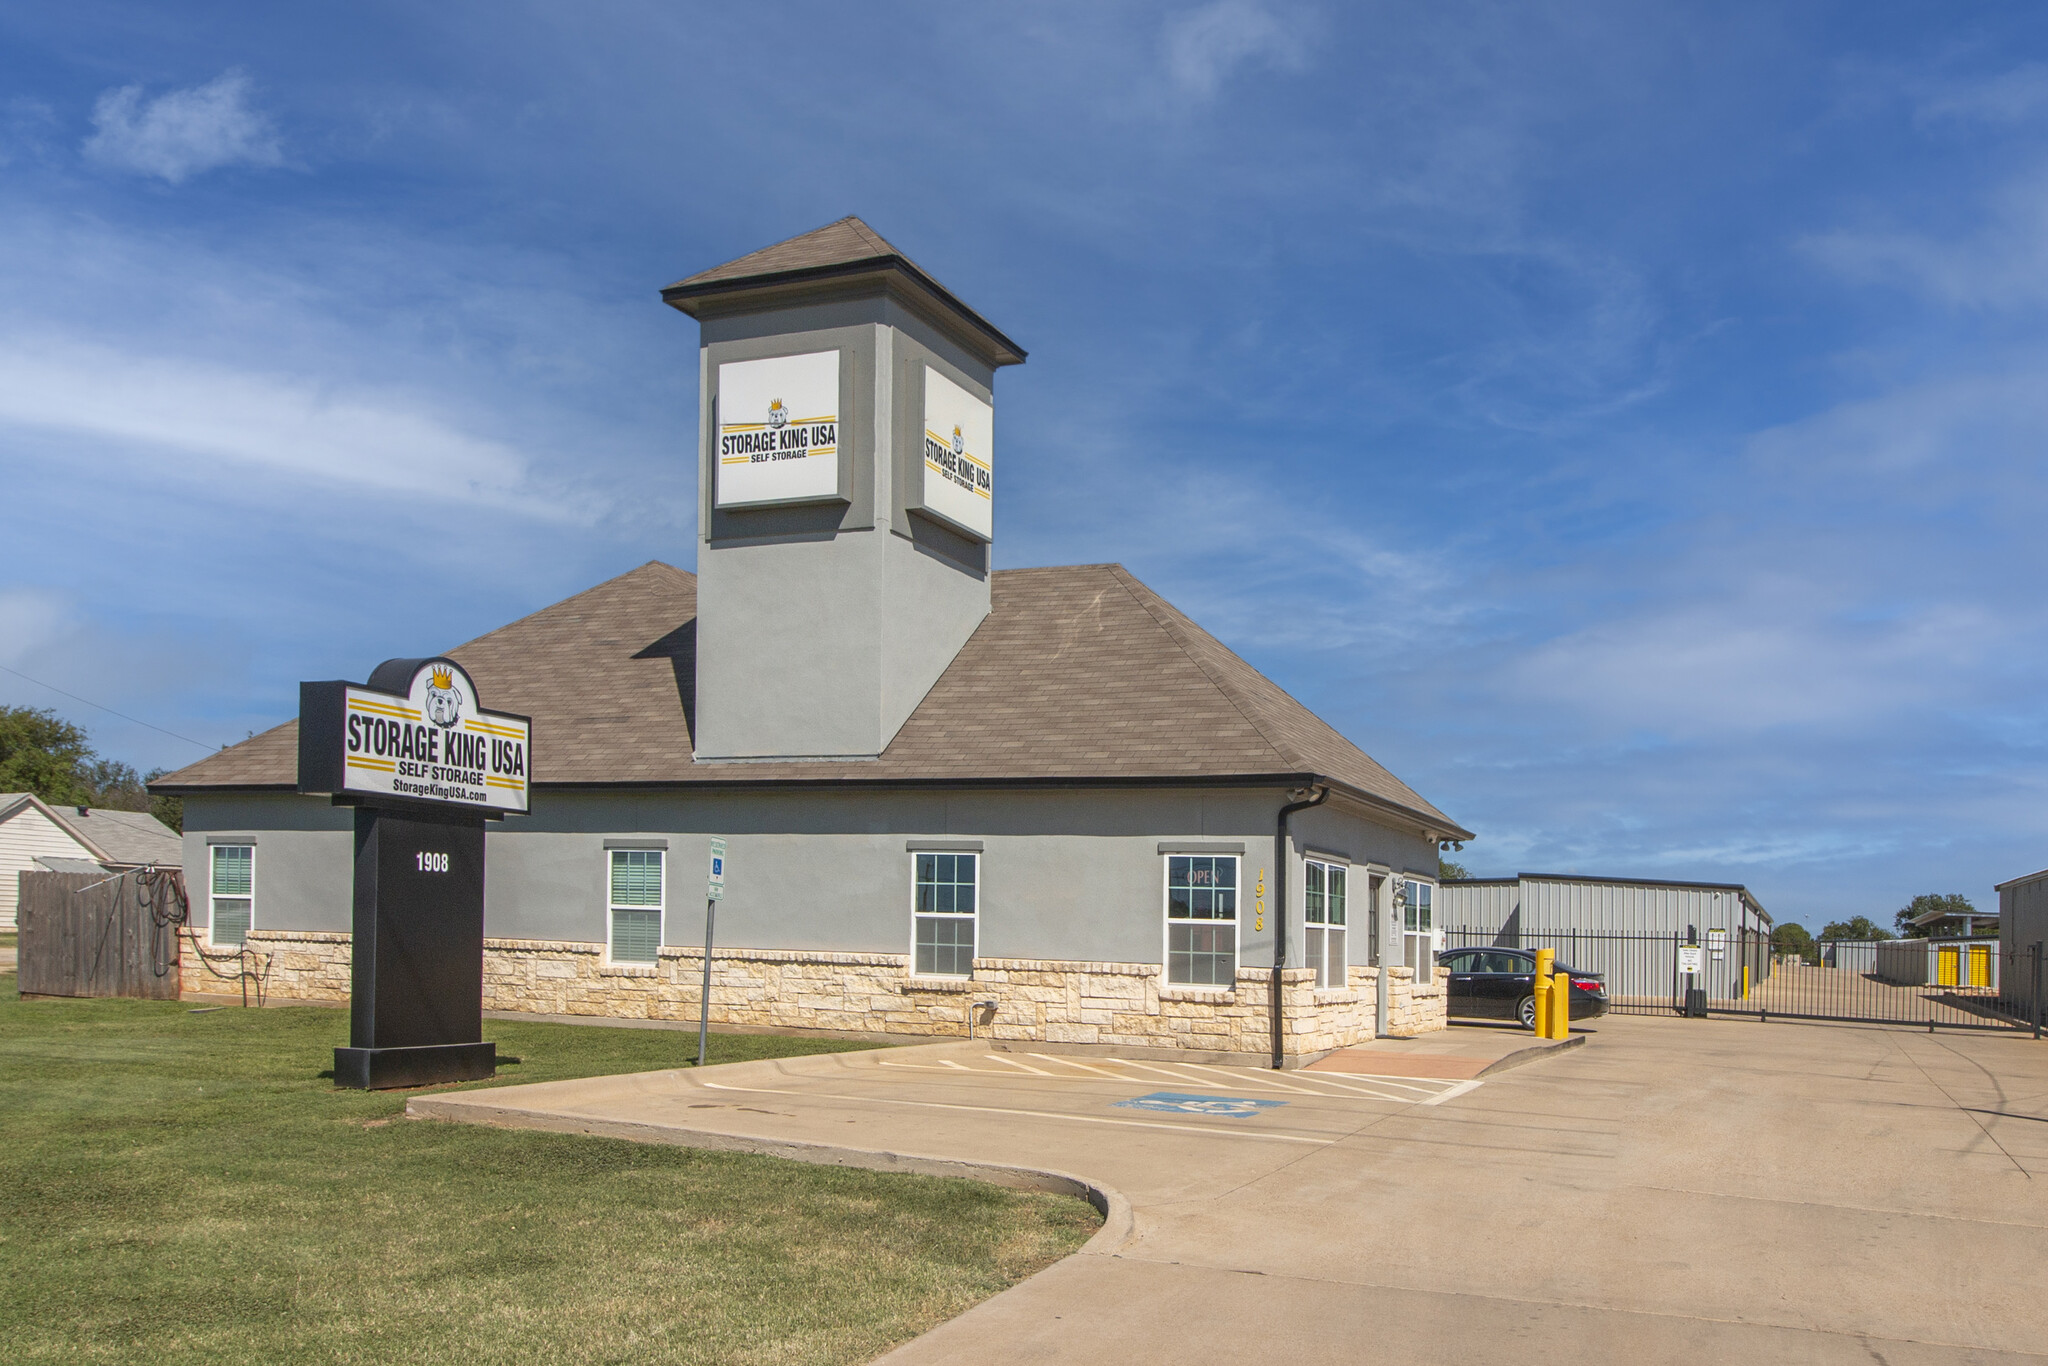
(42, 753)
(1447, 871)
(1952, 904)
(1791, 938)
(1855, 927)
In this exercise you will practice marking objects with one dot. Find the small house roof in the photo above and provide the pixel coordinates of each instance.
(1079, 675)
(112, 837)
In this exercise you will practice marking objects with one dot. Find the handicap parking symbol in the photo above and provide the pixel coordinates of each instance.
(1181, 1103)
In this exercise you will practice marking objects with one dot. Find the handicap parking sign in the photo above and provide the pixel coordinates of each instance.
(1181, 1103)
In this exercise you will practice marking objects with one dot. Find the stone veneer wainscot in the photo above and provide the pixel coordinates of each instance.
(1040, 1001)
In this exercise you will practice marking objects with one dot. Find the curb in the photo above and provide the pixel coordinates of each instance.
(1538, 1053)
(1110, 1203)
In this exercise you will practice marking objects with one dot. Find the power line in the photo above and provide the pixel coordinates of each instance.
(108, 710)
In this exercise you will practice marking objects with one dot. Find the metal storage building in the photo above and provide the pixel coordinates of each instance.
(2023, 923)
(1627, 929)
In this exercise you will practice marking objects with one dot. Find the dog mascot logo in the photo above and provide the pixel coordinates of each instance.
(778, 414)
(959, 442)
(444, 702)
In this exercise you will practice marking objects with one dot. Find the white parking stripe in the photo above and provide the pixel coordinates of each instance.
(1276, 1085)
(1425, 1084)
(1082, 1065)
(1360, 1086)
(1164, 1071)
(1460, 1089)
(1031, 1114)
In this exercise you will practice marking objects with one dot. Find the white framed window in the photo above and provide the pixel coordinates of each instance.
(1201, 920)
(635, 902)
(943, 915)
(233, 893)
(1323, 911)
(1418, 928)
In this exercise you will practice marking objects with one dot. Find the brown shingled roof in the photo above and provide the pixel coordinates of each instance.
(1078, 673)
(838, 250)
(836, 244)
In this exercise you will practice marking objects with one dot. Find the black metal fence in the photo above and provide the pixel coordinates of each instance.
(1938, 984)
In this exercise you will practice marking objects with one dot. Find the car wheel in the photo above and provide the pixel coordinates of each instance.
(1526, 1012)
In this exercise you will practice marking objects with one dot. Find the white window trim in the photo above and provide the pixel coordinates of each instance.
(661, 911)
(1167, 922)
(212, 896)
(1330, 864)
(1433, 935)
(959, 849)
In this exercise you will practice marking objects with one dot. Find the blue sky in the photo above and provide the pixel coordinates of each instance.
(1624, 421)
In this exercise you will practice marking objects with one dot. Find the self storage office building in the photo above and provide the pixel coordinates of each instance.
(1041, 798)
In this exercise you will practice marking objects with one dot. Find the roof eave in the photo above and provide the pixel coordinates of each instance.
(688, 296)
(1430, 825)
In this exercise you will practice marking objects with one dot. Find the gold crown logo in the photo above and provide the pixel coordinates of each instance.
(441, 679)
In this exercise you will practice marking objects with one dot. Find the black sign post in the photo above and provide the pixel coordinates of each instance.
(425, 767)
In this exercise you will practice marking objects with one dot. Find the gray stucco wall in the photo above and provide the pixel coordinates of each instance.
(821, 627)
(1069, 875)
(303, 866)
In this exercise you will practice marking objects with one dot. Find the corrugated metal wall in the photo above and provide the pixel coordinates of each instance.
(1613, 927)
(1480, 907)
(2023, 923)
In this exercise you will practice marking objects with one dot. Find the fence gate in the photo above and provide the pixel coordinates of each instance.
(1947, 984)
(98, 934)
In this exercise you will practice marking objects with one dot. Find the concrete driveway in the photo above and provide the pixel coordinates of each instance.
(1678, 1191)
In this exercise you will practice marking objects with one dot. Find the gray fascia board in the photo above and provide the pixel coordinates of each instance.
(1002, 351)
(1425, 824)
(1201, 846)
(942, 846)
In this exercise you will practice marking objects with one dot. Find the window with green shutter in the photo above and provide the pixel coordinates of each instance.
(233, 893)
(636, 905)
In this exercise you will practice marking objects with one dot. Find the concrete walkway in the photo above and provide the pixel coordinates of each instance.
(1679, 1191)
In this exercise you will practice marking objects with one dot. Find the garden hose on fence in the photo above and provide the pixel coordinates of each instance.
(162, 891)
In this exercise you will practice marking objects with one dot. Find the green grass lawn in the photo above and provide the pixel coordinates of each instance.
(185, 1187)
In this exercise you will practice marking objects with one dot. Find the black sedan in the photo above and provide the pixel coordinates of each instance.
(1500, 984)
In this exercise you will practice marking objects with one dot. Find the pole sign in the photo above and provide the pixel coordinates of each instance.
(414, 733)
(714, 887)
(1689, 959)
(426, 769)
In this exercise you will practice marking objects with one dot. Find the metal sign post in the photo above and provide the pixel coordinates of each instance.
(1691, 968)
(714, 892)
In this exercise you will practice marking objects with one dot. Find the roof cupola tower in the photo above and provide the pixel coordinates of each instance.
(846, 492)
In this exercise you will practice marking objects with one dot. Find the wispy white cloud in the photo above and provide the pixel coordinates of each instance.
(2001, 263)
(220, 419)
(2011, 96)
(29, 619)
(1204, 48)
(182, 132)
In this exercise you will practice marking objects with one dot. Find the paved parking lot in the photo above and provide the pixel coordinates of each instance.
(1677, 1191)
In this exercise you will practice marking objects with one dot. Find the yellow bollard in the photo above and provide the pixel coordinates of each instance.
(1745, 981)
(1561, 1006)
(1544, 959)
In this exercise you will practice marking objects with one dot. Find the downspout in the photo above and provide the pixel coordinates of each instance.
(1280, 871)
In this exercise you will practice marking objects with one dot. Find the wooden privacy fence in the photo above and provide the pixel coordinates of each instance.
(97, 934)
